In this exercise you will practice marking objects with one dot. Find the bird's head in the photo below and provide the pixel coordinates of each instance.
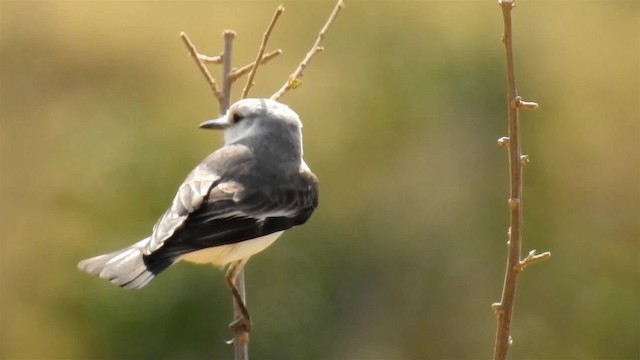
(255, 117)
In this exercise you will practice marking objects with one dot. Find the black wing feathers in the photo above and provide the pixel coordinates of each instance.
(239, 209)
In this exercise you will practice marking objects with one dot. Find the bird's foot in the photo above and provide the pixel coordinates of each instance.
(242, 327)
(241, 324)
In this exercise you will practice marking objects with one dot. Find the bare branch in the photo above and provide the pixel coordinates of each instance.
(294, 79)
(504, 308)
(203, 69)
(263, 45)
(241, 336)
(514, 243)
(228, 36)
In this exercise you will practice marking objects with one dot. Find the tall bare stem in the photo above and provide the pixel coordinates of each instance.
(504, 309)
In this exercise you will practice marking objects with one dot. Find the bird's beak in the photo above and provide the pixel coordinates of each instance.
(220, 123)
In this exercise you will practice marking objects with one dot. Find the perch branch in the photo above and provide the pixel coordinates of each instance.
(294, 79)
(263, 45)
(203, 69)
(240, 335)
(504, 309)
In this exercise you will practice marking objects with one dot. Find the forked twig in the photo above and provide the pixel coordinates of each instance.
(263, 45)
(203, 69)
(294, 79)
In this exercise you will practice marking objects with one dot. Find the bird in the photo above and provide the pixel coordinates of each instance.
(231, 206)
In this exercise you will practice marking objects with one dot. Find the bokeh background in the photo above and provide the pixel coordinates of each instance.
(99, 111)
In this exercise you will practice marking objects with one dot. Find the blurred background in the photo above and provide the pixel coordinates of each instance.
(99, 111)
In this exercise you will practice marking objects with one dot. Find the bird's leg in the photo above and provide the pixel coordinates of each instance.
(242, 323)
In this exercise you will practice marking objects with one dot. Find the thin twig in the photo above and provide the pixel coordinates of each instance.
(294, 79)
(203, 69)
(504, 309)
(210, 59)
(533, 258)
(236, 73)
(263, 45)
(524, 105)
(228, 36)
(504, 314)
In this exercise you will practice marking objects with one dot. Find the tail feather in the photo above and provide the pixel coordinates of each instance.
(126, 268)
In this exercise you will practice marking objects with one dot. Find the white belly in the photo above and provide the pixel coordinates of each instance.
(224, 254)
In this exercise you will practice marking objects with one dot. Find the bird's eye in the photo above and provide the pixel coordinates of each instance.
(237, 117)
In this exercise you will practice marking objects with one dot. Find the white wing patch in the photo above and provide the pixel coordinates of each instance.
(188, 199)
